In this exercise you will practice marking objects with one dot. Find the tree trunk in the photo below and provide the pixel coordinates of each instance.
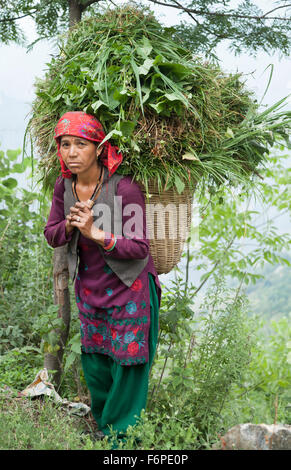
(61, 298)
(75, 12)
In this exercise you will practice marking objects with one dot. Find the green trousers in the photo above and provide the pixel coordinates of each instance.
(119, 393)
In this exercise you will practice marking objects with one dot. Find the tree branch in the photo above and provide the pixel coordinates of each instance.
(3, 20)
(89, 3)
(225, 15)
(277, 8)
(189, 13)
(219, 36)
(214, 267)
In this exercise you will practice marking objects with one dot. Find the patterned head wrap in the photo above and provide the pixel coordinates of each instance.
(80, 124)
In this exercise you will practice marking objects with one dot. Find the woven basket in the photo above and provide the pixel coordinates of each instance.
(168, 216)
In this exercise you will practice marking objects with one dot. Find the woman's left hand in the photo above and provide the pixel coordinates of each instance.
(81, 216)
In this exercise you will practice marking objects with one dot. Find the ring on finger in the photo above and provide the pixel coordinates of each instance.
(78, 219)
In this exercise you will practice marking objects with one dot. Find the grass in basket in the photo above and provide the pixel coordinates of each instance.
(175, 118)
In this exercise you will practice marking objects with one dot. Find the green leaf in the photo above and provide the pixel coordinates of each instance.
(147, 92)
(55, 98)
(96, 105)
(13, 154)
(76, 347)
(146, 66)
(229, 133)
(111, 134)
(127, 128)
(144, 50)
(52, 338)
(75, 343)
(174, 97)
(138, 85)
(158, 60)
(180, 71)
(179, 184)
(10, 183)
(18, 168)
(112, 101)
(70, 360)
(159, 107)
(122, 95)
(27, 162)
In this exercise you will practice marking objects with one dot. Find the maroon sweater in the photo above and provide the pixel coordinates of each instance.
(114, 318)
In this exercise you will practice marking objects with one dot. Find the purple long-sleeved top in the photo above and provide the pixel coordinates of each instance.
(114, 318)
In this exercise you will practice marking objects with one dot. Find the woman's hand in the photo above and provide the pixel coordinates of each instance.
(81, 216)
(69, 226)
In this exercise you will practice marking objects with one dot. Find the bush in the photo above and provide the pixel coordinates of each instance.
(265, 393)
(204, 364)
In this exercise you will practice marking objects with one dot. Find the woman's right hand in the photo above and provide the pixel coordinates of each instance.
(69, 227)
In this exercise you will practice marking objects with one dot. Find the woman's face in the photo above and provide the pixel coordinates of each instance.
(79, 155)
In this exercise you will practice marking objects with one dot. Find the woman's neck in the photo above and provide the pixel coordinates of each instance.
(89, 177)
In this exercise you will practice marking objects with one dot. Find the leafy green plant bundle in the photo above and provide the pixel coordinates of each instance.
(175, 118)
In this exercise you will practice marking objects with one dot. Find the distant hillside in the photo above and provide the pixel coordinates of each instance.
(271, 296)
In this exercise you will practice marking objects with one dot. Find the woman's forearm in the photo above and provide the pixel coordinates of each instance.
(55, 231)
(98, 236)
(124, 248)
(56, 234)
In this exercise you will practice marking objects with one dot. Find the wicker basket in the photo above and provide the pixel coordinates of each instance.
(168, 216)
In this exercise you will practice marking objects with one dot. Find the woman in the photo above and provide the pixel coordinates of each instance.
(116, 285)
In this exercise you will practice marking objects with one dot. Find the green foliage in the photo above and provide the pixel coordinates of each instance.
(20, 366)
(264, 395)
(28, 318)
(175, 118)
(270, 363)
(157, 430)
(223, 352)
(201, 363)
(25, 258)
(36, 425)
(75, 351)
(209, 374)
(235, 236)
(46, 325)
(246, 25)
(271, 294)
(50, 17)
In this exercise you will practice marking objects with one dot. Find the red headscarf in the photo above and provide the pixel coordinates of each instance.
(80, 124)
